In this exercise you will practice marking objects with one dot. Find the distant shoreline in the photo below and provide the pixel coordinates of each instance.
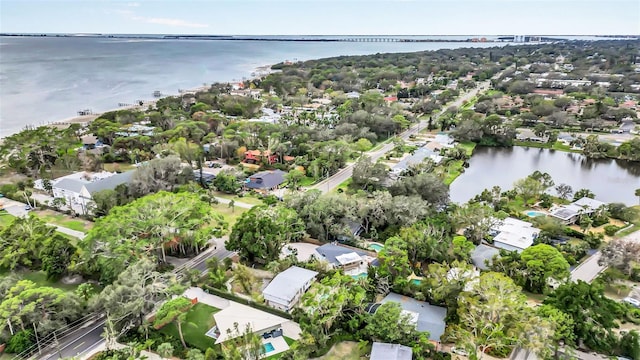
(260, 71)
(307, 38)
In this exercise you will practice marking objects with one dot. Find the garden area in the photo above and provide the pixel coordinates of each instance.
(346, 350)
(5, 219)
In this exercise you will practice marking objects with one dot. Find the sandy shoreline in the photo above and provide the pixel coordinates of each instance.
(259, 72)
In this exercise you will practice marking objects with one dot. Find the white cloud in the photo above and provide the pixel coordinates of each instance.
(170, 22)
(133, 4)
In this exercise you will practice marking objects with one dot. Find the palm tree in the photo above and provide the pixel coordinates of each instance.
(638, 195)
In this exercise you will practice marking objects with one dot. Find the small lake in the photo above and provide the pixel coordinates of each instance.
(610, 180)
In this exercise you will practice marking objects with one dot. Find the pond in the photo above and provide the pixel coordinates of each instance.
(610, 180)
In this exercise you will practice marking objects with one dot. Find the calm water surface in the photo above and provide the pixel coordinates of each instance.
(610, 180)
(50, 79)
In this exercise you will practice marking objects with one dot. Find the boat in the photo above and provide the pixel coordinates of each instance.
(157, 93)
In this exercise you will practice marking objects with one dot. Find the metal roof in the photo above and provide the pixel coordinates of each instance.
(430, 317)
(384, 351)
(288, 283)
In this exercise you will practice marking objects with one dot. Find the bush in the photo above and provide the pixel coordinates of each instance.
(20, 342)
(611, 230)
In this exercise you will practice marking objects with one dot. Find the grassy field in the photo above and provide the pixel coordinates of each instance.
(40, 278)
(230, 215)
(345, 350)
(64, 220)
(454, 169)
(247, 199)
(198, 321)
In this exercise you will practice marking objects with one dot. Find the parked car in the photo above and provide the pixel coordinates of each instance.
(27, 207)
(632, 301)
(459, 351)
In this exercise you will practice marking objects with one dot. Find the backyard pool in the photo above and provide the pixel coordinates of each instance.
(416, 281)
(268, 347)
(533, 213)
(376, 247)
(360, 276)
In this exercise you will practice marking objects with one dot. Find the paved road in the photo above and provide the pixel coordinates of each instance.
(235, 203)
(590, 269)
(346, 172)
(90, 335)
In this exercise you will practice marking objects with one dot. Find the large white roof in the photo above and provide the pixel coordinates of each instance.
(243, 315)
(286, 285)
(348, 258)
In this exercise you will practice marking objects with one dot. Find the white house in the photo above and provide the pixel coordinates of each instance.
(514, 235)
(285, 290)
(78, 189)
(569, 214)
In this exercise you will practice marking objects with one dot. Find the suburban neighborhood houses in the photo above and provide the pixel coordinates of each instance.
(310, 213)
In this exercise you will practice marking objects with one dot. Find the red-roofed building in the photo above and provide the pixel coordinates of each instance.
(257, 156)
(630, 104)
(391, 98)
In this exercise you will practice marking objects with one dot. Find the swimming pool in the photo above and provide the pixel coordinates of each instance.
(376, 247)
(268, 347)
(416, 281)
(533, 213)
(360, 276)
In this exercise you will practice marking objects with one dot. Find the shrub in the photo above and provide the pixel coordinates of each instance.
(20, 342)
(611, 230)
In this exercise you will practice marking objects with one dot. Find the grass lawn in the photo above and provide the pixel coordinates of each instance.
(198, 321)
(454, 169)
(6, 356)
(64, 220)
(40, 278)
(468, 146)
(345, 350)
(5, 219)
(230, 216)
(559, 146)
(247, 199)
(537, 298)
(344, 185)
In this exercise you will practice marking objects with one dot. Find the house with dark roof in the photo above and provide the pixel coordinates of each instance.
(425, 316)
(78, 189)
(351, 260)
(482, 256)
(285, 290)
(265, 181)
(385, 351)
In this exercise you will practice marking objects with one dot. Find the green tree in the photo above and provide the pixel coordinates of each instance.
(492, 314)
(528, 188)
(293, 178)
(27, 306)
(363, 145)
(583, 193)
(21, 242)
(564, 191)
(390, 324)
(227, 182)
(462, 248)
(85, 291)
(475, 219)
(56, 256)
(260, 233)
(175, 311)
(179, 222)
(594, 315)
(243, 345)
(394, 262)
(562, 325)
(195, 354)
(637, 194)
(134, 293)
(540, 263)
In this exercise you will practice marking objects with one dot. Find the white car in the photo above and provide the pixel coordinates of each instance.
(459, 351)
(632, 301)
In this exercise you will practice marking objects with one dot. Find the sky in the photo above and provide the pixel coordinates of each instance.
(323, 17)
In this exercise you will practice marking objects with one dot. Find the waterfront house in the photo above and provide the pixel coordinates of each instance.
(385, 351)
(569, 214)
(285, 290)
(514, 235)
(265, 181)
